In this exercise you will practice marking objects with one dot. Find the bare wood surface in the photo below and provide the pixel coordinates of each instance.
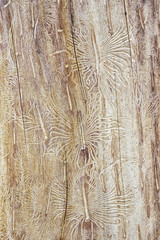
(79, 120)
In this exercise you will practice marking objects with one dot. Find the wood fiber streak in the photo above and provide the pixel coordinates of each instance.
(79, 120)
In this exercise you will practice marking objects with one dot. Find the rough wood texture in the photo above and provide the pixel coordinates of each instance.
(79, 120)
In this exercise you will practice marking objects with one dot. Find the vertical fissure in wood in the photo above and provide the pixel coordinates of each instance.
(75, 52)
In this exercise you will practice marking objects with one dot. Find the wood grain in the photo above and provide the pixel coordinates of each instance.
(79, 120)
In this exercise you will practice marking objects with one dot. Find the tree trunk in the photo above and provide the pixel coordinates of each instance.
(79, 122)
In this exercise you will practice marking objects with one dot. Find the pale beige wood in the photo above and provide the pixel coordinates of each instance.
(79, 120)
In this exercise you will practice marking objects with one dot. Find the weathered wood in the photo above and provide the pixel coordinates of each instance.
(79, 120)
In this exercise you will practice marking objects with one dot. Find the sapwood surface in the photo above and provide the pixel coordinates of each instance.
(79, 120)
